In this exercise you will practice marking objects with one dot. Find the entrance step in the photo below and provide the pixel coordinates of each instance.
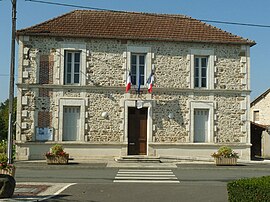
(138, 159)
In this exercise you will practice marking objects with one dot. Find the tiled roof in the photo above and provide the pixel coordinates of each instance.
(130, 25)
(260, 97)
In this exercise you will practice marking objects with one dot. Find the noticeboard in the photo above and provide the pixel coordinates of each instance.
(44, 134)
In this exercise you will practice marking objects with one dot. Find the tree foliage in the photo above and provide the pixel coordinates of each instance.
(4, 118)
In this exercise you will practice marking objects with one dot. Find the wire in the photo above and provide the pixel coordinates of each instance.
(68, 5)
(237, 23)
(103, 9)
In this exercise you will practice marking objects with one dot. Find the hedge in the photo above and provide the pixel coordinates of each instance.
(249, 190)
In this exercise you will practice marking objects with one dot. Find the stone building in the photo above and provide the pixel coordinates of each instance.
(260, 125)
(260, 109)
(72, 76)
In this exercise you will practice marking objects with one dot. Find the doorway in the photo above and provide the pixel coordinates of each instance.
(137, 131)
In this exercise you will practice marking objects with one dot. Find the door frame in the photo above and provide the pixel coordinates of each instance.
(145, 104)
(136, 137)
(209, 105)
(206, 126)
(72, 103)
(74, 121)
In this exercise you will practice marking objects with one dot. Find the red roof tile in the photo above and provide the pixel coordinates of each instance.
(130, 25)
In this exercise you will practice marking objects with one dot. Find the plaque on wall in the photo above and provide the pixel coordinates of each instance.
(139, 104)
(44, 134)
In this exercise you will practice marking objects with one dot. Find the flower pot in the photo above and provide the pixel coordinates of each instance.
(222, 161)
(10, 172)
(57, 159)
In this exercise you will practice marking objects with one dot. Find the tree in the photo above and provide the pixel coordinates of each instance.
(4, 118)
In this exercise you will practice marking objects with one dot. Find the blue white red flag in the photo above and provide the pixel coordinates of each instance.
(128, 83)
(139, 85)
(150, 82)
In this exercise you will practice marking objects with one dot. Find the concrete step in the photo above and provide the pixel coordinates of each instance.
(138, 159)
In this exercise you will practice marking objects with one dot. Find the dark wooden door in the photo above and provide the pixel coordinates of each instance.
(137, 131)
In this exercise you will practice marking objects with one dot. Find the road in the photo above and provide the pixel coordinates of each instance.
(99, 183)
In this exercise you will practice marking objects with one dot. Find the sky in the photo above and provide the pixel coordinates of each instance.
(242, 11)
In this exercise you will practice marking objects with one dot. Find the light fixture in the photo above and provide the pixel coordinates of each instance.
(171, 115)
(105, 115)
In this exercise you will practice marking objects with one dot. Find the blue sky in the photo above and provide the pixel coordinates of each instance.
(244, 11)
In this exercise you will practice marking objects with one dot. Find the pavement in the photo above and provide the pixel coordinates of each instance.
(37, 191)
(26, 191)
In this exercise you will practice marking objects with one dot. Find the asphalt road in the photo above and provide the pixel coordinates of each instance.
(95, 183)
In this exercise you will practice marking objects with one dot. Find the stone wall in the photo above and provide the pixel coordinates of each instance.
(171, 130)
(263, 106)
(229, 121)
(104, 89)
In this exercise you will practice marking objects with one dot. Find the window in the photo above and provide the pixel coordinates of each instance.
(200, 72)
(138, 66)
(71, 120)
(201, 125)
(71, 123)
(72, 63)
(256, 116)
(202, 121)
(202, 69)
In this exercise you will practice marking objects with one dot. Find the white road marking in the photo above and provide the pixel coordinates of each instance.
(58, 192)
(145, 176)
(146, 181)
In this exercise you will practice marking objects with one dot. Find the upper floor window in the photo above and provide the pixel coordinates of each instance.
(200, 72)
(202, 69)
(72, 63)
(256, 116)
(138, 69)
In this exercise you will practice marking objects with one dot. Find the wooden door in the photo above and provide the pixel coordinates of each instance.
(137, 131)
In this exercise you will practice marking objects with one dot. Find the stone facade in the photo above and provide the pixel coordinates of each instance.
(262, 106)
(105, 63)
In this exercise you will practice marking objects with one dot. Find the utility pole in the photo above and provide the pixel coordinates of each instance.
(11, 83)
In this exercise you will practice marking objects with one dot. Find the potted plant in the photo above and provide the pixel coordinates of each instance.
(225, 156)
(5, 167)
(57, 155)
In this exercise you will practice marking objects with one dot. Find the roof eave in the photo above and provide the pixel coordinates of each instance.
(250, 43)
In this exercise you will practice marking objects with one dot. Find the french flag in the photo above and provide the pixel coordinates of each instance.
(128, 83)
(150, 82)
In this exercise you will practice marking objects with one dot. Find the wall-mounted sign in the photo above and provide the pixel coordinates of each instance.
(44, 134)
(139, 104)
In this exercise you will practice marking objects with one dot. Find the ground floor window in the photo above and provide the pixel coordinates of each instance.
(202, 121)
(71, 120)
(71, 123)
(201, 125)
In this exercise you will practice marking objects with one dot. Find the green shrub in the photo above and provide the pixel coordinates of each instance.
(249, 190)
(57, 149)
(225, 152)
(3, 146)
(3, 158)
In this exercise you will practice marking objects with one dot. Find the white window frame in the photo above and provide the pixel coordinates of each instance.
(72, 82)
(209, 53)
(79, 47)
(138, 68)
(148, 61)
(70, 103)
(202, 105)
(206, 136)
(200, 69)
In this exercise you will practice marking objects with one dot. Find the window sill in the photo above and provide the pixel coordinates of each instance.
(135, 90)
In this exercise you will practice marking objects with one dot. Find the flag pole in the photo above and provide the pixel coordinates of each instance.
(11, 84)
